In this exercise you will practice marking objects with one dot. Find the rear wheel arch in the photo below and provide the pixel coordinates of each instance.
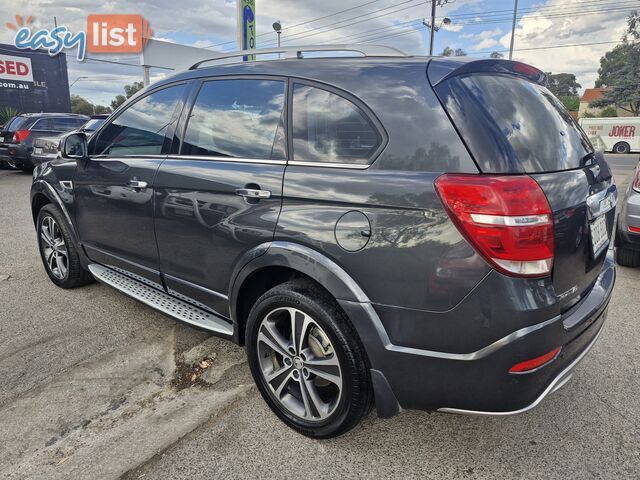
(283, 262)
(38, 201)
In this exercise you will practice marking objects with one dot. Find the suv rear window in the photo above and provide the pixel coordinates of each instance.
(512, 125)
(14, 124)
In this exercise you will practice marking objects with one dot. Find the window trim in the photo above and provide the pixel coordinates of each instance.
(364, 108)
(186, 115)
(177, 112)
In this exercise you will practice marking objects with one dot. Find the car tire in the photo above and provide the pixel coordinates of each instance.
(323, 388)
(621, 147)
(627, 256)
(57, 250)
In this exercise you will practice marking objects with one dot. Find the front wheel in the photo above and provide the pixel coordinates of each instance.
(57, 251)
(307, 360)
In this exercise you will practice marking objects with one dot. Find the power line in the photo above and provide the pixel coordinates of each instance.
(302, 23)
(553, 46)
(561, 10)
(362, 36)
(328, 27)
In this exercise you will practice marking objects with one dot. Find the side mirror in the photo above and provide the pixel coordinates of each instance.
(74, 146)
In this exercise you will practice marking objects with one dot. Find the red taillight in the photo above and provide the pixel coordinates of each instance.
(20, 135)
(634, 229)
(636, 181)
(535, 363)
(507, 218)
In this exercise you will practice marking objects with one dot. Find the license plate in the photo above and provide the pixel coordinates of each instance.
(599, 234)
(37, 150)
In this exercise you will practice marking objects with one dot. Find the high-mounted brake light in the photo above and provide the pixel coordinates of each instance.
(506, 218)
(535, 363)
(20, 135)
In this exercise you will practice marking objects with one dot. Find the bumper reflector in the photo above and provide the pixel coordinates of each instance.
(634, 229)
(535, 363)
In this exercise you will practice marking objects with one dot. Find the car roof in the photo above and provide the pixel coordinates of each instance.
(330, 69)
(291, 67)
(50, 114)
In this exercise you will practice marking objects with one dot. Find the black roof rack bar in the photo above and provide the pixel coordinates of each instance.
(297, 52)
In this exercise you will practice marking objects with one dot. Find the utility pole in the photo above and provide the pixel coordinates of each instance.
(513, 29)
(432, 27)
(432, 31)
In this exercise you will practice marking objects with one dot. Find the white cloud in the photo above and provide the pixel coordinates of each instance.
(538, 30)
(453, 27)
(486, 43)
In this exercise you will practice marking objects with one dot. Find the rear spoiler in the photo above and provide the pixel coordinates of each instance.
(443, 68)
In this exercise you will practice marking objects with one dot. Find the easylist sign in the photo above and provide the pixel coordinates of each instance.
(15, 69)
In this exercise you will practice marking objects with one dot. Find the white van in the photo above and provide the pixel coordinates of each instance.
(613, 134)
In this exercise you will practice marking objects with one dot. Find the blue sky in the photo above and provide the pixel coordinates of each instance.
(554, 35)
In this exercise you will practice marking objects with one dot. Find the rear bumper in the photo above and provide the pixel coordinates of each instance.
(478, 382)
(16, 155)
(558, 382)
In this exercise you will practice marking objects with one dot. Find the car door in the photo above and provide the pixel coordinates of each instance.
(114, 187)
(219, 194)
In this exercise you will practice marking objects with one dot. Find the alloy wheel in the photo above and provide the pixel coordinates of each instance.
(54, 248)
(299, 364)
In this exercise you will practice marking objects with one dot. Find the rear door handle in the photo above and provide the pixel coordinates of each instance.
(137, 184)
(253, 193)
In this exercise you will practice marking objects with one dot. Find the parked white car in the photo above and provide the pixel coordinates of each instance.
(613, 134)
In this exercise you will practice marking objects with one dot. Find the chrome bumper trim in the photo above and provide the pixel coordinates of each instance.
(556, 384)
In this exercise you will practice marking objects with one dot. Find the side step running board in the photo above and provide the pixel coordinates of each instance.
(161, 301)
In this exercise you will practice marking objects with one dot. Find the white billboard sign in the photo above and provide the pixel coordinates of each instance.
(15, 68)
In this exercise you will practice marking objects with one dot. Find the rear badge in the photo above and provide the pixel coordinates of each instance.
(571, 291)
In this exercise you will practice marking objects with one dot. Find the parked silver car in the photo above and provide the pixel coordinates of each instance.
(628, 237)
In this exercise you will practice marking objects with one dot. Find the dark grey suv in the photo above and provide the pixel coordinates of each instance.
(401, 231)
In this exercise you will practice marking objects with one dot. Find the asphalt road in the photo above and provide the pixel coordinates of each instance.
(96, 385)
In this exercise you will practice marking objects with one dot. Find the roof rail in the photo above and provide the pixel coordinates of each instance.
(297, 52)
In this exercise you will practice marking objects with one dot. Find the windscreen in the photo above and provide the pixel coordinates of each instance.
(512, 125)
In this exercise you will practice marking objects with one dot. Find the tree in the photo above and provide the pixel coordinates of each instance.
(609, 111)
(620, 70)
(119, 100)
(450, 52)
(85, 107)
(81, 105)
(101, 109)
(129, 91)
(563, 84)
(496, 55)
(570, 102)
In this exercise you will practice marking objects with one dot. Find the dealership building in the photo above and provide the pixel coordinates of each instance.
(33, 81)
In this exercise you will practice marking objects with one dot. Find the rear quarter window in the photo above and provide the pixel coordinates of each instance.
(328, 128)
(512, 125)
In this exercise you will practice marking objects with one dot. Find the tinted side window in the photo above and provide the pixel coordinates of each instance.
(141, 128)
(237, 118)
(43, 124)
(328, 128)
(66, 123)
